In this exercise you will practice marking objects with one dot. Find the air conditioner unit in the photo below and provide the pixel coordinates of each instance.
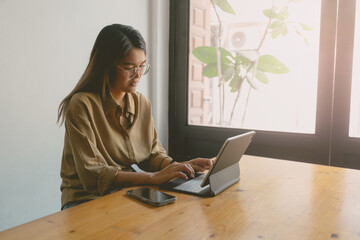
(242, 36)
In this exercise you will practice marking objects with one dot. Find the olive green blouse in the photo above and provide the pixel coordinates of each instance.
(97, 146)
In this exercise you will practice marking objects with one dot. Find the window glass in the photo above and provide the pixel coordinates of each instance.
(267, 60)
(355, 87)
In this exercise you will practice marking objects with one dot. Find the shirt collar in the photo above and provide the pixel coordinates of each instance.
(110, 103)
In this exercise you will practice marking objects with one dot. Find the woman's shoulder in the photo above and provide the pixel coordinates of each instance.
(142, 99)
(84, 97)
(81, 99)
(142, 105)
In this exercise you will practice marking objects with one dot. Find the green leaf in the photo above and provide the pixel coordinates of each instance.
(276, 24)
(269, 63)
(284, 13)
(225, 6)
(224, 52)
(208, 55)
(228, 73)
(306, 27)
(251, 83)
(225, 56)
(299, 33)
(210, 70)
(305, 39)
(241, 59)
(275, 33)
(270, 13)
(233, 90)
(306, 42)
(235, 83)
(267, 12)
(284, 30)
(261, 76)
(205, 54)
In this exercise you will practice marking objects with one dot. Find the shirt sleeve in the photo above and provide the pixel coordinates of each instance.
(96, 176)
(158, 154)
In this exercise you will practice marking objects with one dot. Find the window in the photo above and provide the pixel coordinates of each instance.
(280, 94)
(355, 86)
(300, 110)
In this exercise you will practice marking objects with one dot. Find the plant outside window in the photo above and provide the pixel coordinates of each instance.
(262, 64)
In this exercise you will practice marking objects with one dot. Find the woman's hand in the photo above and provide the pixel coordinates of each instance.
(175, 170)
(200, 164)
(183, 170)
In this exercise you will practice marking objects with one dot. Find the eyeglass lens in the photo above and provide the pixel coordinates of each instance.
(142, 70)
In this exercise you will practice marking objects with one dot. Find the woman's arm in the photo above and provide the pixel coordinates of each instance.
(175, 170)
(197, 164)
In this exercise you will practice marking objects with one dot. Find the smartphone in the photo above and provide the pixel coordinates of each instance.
(151, 196)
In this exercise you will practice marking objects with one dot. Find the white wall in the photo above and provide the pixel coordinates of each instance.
(44, 48)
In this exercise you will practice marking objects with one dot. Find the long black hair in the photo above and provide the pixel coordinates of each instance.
(111, 45)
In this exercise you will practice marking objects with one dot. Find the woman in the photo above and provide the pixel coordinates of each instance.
(109, 126)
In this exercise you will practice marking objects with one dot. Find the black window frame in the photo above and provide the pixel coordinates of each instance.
(325, 147)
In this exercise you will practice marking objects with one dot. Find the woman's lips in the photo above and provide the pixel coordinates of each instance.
(133, 84)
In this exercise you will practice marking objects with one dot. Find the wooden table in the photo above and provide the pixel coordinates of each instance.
(275, 199)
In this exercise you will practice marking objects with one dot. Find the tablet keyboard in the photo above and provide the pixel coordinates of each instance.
(192, 185)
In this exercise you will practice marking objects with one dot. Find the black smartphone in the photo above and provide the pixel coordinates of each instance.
(151, 196)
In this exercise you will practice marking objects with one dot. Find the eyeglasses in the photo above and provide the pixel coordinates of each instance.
(132, 72)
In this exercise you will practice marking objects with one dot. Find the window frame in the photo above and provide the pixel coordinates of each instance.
(189, 141)
(345, 150)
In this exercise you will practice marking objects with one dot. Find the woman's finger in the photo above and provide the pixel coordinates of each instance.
(181, 175)
(189, 170)
(205, 163)
(184, 168)
(198, 168)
